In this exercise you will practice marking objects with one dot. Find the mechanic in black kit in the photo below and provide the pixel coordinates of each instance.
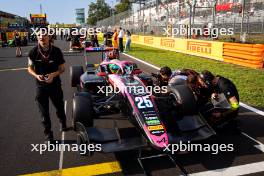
(46, 63)
(217, 85)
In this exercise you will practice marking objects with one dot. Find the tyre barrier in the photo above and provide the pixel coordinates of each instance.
(248, 55)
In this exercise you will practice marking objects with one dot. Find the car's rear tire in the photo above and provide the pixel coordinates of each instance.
(182, 97)
(83, 111)
(75, 73)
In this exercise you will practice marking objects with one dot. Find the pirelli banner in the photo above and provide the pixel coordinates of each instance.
(208, 49)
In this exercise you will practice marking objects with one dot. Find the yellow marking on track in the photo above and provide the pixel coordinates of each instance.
(96, 169)
(12, 69)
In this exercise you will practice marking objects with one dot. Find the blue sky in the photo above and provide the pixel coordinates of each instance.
(61, 11)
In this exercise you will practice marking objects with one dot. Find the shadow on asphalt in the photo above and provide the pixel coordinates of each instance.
(130, 166)
(242, 145)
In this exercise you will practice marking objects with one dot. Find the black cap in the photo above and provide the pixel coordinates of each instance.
(166, 71)
(207, 77)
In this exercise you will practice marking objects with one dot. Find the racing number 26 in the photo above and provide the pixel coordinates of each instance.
(143, 102)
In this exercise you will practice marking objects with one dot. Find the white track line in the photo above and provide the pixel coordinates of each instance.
(12, 69)
(146, 63)
(61, 152)
(260, 146)
(157, 68)
(234, 171)
(62, 140)
(252, 109)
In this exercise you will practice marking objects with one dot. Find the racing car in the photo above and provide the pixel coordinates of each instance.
(159, 121)
(107, 53)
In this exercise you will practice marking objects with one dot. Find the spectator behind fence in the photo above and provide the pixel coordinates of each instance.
(128, 41)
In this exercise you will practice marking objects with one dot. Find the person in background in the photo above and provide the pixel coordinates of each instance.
(61, 35)
(120, 39)
(17, 39)
(114, 40)
(128, 41)
(95, 39)
(66, 36)
(25, 40)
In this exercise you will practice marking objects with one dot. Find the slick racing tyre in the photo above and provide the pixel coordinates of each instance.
(83, 111)
(182, 97)
(75, 73)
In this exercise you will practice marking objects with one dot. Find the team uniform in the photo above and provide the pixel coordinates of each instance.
(226, 87)
(43, 65)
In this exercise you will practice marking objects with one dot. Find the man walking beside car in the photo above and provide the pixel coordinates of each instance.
(46, 63)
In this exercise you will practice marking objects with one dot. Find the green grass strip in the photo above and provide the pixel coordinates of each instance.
(250, 82)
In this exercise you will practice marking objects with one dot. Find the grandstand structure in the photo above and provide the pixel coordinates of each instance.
(152, 16)
(10, 22)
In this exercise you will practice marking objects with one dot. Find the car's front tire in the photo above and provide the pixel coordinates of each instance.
(75, 74)
(181, 96)
(83, 111)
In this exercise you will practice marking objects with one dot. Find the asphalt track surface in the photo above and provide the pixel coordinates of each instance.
(20, 127)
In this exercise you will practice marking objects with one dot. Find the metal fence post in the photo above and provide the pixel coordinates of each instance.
(262, 26)
(234, 24)
(143, 22)
(248, 24)
(242, 18)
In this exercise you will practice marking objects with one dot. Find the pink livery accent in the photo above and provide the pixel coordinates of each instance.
(158, 141)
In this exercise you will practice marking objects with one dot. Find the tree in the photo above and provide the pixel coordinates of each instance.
(122, 6)
(98, 11)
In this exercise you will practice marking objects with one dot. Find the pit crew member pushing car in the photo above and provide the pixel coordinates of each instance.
(217, 85)
(46, 63)
(164, 76)
(188, 77)
(179, 77)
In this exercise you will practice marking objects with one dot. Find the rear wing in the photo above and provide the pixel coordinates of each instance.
(95, 49)
(101, 50)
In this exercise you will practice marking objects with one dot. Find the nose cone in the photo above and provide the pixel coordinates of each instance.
(158, 137)
(161, 141)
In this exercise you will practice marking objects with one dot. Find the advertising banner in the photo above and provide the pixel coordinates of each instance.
(208, 49)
